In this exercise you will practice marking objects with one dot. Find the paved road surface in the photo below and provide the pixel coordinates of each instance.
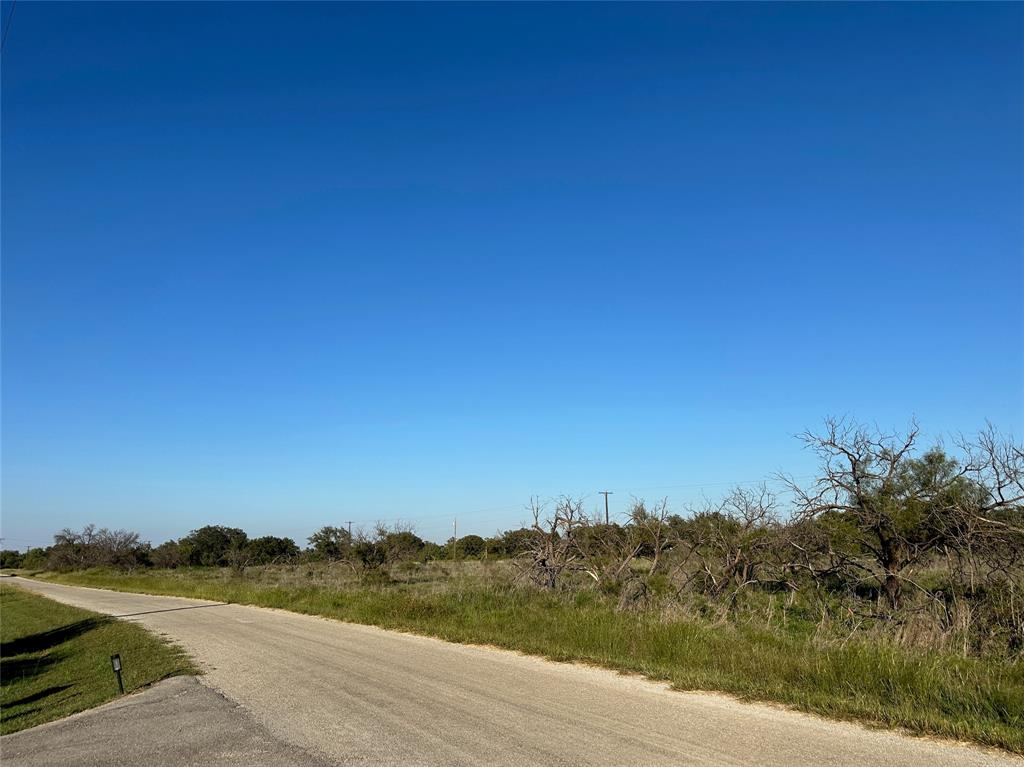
(358, 695)
(177, 723)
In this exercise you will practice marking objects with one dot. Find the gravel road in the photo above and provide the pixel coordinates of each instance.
(358, 695)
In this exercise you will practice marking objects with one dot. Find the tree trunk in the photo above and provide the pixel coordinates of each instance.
(891, 562)
(893, 587)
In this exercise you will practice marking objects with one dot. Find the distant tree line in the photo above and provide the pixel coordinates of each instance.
(930, 542)
(220, 546)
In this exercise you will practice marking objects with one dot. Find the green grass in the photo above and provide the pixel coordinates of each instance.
(872, 682)
(55, 659)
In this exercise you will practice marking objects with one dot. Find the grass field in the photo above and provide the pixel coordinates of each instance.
(55, 659)
(869, 681)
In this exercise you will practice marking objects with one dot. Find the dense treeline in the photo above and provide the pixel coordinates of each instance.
(219, 546)
(924, 545)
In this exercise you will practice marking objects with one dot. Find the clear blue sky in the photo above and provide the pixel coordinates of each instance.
(277, 266)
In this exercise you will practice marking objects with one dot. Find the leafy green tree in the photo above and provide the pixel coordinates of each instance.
(167, 555)
(209, 546)
(401, 544)
(386, 546)
(515, 542)
(35, 559)
(470, 546)
(9, 558)
(432, 551)
(331, 542)
(262, 551)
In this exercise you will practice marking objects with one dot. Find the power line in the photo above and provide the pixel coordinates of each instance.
(520, 506)
(439, 516)
(698, 485)
(523, 507)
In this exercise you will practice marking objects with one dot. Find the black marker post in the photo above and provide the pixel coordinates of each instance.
(115, 661)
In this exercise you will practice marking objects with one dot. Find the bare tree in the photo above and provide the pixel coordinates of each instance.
(117, 548)
(732, 539)
(554, 549)
(95, 548)
(651, 531)
(898, 508)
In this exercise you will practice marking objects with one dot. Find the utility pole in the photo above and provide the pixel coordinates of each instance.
(606, 493)
(455, 538)
(349, 531)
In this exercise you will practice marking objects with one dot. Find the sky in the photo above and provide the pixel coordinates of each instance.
(277, 266)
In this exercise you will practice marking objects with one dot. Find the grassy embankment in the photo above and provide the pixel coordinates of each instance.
(55, 659)
(868, 681)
